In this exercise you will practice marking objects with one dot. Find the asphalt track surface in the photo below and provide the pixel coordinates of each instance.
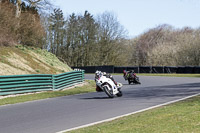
(57, 114)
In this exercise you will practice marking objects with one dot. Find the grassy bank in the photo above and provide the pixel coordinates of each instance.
(89, 86)
(18, 60)
(181, 117)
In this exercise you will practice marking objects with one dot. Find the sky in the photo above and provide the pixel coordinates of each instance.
(138, 16)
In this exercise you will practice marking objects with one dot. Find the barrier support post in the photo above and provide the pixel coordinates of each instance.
(53, 82)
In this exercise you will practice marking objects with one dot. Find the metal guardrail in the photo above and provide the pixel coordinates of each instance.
(15, 84)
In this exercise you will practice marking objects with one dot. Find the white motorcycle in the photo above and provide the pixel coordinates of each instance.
(107, 85)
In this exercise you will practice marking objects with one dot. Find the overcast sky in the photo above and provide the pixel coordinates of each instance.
(137, 16)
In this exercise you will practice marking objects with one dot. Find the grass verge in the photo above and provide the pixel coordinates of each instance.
(171, 75)
(165, 75)
(180, 117)
(89, 87)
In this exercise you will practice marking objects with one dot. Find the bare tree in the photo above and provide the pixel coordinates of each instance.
(110, 36)
(163, 45)
(18, 8)
(39, 4)
(147, 41)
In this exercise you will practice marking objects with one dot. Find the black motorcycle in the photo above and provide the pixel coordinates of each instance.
(131, 77)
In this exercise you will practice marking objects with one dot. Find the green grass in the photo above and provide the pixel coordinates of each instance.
(89, 87)
(166, 75)
(181, 117)
(46, 58)
(171, 75)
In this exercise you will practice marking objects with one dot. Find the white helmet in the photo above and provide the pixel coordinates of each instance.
(98, 74)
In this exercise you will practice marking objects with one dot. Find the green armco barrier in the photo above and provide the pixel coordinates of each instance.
(15, 84)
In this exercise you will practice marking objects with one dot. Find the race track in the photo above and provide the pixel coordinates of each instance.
(57, 114)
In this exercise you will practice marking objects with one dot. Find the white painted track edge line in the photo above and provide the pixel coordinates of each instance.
(113, 118)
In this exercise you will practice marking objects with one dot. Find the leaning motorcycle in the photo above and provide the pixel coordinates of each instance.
(108, 86)
(131, 77)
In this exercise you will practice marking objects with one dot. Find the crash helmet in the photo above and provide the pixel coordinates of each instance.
(124, 71)
(98, 74)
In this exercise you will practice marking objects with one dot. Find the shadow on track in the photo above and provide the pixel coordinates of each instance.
(164, 91)
(131, 84)
(153, 92)
(96, 98)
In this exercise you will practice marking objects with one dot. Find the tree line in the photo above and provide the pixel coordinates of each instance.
(84, 40)
(88, 40)
(165, 45)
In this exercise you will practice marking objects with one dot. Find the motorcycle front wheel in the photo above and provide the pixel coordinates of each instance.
(129, 81)
(119, 94)
(137, 80)
(108, 92)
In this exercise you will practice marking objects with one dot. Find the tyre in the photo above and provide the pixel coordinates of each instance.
(137, 80)
(119, 94)
(108, 92)
(129, 82)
